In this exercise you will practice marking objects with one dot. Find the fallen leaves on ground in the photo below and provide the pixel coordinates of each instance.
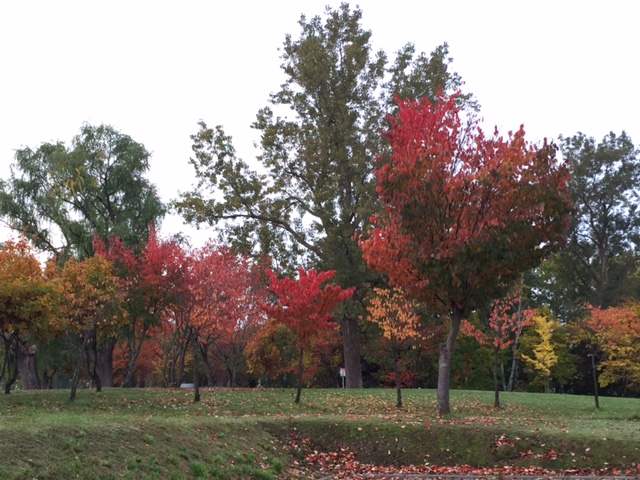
(343, 464)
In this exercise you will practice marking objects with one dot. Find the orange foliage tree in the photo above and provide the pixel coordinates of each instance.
(93, 310)
(400, 324)
(272, 354)
(464, 215)
(28, 305)
(617, 332)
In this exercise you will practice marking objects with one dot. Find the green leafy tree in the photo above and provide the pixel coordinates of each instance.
(61, 196)
(319, 141)
(599, 264)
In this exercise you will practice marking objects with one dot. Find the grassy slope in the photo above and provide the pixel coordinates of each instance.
(239, 433)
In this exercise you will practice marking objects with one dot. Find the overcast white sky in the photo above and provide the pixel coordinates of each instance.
(153, 69)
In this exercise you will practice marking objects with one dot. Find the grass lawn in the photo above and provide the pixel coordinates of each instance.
(243, 433)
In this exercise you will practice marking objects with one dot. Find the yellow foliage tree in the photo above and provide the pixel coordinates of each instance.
(544, 353)
(397, 318)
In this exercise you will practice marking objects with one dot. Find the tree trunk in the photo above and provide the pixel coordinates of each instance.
(28, 367)
(444, 363)
(74, 382)
(211, 375)
(603, 272)
(5, 359)
(502, 376)
(11, 379)
(397, 379)
(514, 362)
(91, 352)
(351, 347)
(134, 353)
(496, 383)
(196, 376)
(300, 375)
(209, 370)
(181, 361)
(233, 376)
(47, 378)
(104, 362)
(514, 347)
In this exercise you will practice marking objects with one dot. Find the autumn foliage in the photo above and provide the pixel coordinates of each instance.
(500, 330)
(305, 305)
(93, 310)
(28, 305)
(617, 333)
(464, 214)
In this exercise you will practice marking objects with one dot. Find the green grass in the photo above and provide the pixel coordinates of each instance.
(153, 433)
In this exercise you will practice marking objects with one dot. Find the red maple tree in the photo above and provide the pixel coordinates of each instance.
(154, 279)
(305, 305)
(463, 214)
(223, 300)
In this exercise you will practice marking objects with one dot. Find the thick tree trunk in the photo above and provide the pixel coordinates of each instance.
(28, 367)
(300, 375)
(444, 363)
(11, 353)
(5, 359)
(397, 379)
(91, 353)
(351, 347)
(104, 362)
(13, 375)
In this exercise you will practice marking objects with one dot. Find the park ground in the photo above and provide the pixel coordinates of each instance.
(262, 434)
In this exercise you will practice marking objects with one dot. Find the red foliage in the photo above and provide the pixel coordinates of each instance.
(223, 295)
(155, 280)
(506, 321)
(305, 305)
(463, 214)
(407, 379)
